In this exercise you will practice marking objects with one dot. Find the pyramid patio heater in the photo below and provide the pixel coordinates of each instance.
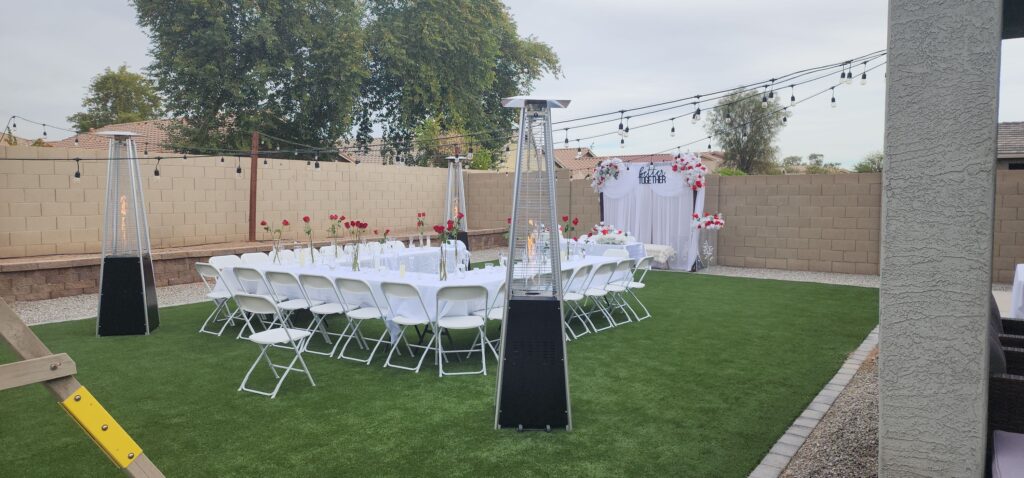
(533, 375)
(455, 196)
(127, 289)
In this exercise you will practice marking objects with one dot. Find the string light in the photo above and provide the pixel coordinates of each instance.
(792, 95)
(145, 149)
(728, 118)
(76, 140)
(316, 164)
(625, 133)
(156, 169)
(622, 143)
(566, 137)
(44, 130)
(833, 97)
(579, 150)
(78, 172)
(672, 133)
(620, 121)
(696, 115)
(771, 90)
(14, 124)
(864, 75)
(238, 167)
(222, 159)
(184, 157)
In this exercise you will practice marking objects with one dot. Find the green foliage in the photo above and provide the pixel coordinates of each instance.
(319, 70)
(746, 131)
(790, 161)
(117, 96)
(290, 68)
(871, 163)
(729, 172)
(816, 165)
(482, 159)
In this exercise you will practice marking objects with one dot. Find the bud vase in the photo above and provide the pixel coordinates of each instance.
(312, 253)
(276, 251)
(442, 266)
(334, 246)
(355, 257)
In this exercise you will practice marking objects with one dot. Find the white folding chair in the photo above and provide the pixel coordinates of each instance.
(255, 258)
(281, 336)
(617, 286)
(348, 289)
(221, 298)
(395, 293)
(251, 281)
(615, 252)
(324, 287)
(637, 282)
(594, 293)
(495, 311)
(572, 294)
(452, 294)
(397, 244)
(284, 285)
(220, 262)
(285, 256)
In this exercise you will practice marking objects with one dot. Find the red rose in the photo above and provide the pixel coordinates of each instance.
(342, 218)
(348, 224)
(305, 219)
(451, 224)
(509, 220)
(375, 232)
(263, 222)
(707, 214)
(285, 223)
(696, 216)
(590, 234)
(438, 229)
(604, 231)
(387, 231)
(575, 221)
(698, 184)
(565, 218)
(461, 215)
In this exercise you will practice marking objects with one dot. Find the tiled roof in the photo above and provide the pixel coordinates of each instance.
(566, 158)
(1010, 142)
(152, 136)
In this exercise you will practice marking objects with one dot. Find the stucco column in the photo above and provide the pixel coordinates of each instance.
(937, 211)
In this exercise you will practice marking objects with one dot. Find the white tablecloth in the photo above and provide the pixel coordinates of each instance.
(420, 259)
(1017, 309)
(635, 249)
(427, 284)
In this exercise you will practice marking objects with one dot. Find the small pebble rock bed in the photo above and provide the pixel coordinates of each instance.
(845, 442)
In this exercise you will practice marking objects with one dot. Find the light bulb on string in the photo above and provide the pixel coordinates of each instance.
(625, 132)
(579, 150)
(156, 169)
(864, 75)
(14, 124)
(728, 118)
(771, 90)
(44, 130)
(145, 149)
(264, 161)
(833, 97)
(76, 140)
(316, 162)
(842, 75)
(238, 167)
(622, 143)
(792, 96)
(672, 133)
(566, 142)
(620, 122)
(77, 178)
(222, 159)
(849, 74)
(184, 157)
(470, 155)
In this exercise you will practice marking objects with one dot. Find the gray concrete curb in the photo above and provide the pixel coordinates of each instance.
(785, 448)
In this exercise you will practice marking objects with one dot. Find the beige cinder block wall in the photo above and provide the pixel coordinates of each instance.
(825, 223)
(489, 198)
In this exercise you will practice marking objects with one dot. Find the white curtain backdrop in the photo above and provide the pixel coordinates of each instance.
(656, 213)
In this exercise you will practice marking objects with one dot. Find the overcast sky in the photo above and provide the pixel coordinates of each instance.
(614, 55)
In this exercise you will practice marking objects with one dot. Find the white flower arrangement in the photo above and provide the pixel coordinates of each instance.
(693, 171)
(606, 169)
(711, 222)
(603, 233)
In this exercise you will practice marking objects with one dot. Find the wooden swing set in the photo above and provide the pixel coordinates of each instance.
(56, 372)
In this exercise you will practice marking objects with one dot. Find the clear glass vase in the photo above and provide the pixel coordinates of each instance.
(442, 266)
(355, 257)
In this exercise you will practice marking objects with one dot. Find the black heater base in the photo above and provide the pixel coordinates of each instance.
(533, 388)
(464, 237)
(127, 297)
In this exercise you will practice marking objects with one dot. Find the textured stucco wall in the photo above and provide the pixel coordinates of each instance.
(936, 261)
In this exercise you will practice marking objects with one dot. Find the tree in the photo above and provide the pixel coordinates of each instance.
(316, 71)
(117, 96)
(289, 68)
(746, 130)
(871, 163)
(448, 60)
(816, 165)
(790, 161)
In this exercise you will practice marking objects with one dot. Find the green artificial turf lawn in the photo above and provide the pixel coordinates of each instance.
(704, 388)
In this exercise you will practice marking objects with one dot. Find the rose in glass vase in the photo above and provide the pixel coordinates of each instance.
(421, 221)
(307, 227)
(569, 226)
(333, 229)
(356, 228)
(443, 234)
(275, 236)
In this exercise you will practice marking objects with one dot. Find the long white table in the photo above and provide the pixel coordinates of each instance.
(418, 259)
(428, 284)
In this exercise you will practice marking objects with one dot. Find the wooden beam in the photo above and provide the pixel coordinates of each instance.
(36, 370)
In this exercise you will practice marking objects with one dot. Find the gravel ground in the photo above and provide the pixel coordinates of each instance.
(845, 442)
(84, 306)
